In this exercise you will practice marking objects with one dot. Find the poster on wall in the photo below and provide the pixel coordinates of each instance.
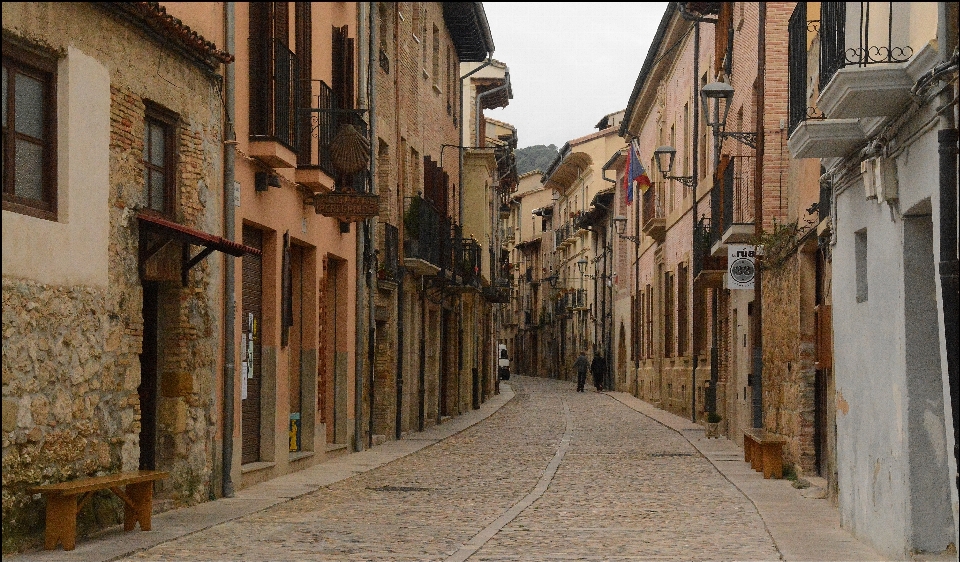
(741, 268)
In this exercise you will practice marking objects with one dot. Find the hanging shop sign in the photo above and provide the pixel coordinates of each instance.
(348, 207)
(741, 267)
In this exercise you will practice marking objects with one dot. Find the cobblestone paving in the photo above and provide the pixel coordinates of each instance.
(626, 488)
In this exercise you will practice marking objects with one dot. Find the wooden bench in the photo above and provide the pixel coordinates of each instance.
(764, 451)
(66, 499)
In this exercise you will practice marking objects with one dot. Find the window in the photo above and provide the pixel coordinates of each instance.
(682, 336)
(159, 159)
(860, 259)
(668, 310)
(436, 57)
(417, 21)
(29, 133)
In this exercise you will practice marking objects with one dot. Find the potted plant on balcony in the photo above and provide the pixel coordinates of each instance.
(712, 423)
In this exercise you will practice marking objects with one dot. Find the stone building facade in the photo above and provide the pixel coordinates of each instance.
(131, 94)
(427, 313)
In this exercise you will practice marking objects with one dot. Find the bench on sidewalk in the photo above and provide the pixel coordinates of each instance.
(66, 499)
(764, 451)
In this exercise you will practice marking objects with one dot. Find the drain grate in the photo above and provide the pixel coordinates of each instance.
(672, 455)
(399, 489)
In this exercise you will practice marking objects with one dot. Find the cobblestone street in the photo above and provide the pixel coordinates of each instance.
(553, 475)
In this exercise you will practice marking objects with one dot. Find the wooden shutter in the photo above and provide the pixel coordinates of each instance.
(343, 67)
(721, 34)
(281, 22)
(304, 98)
(261, 67)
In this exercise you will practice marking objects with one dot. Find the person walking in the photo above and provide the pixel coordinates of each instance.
(581, 365)
(599, 368)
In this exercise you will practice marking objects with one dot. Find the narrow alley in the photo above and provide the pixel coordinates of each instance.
(550, 474)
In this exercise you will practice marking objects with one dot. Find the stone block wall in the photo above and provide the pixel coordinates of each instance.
(71, 366)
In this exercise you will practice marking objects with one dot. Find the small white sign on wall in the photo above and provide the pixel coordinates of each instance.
(741, 268)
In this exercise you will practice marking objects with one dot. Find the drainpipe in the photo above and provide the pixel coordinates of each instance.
(229, 227)
(758, 227)
(949, 266)
(694, 351)
(372, 224)
(479, 112)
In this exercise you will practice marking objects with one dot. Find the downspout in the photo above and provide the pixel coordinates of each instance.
(229, 274)
(460, 149)
(495, 238)
(372, 286)
(949, 267)
(694, 351)
(362, 292)
(462, 127)
(758, 226)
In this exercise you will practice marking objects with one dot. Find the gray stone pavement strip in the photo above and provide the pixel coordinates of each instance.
(624, 488)
(474, 544)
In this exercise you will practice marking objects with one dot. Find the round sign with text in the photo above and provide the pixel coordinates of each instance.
(742, 270)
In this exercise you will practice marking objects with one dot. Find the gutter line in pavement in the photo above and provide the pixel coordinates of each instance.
(476, 543)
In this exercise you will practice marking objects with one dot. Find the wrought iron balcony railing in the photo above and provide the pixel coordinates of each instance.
(733, 202)
(877, 40)
(327, 120)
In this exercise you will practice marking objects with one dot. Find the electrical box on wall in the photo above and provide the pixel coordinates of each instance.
(880, 178)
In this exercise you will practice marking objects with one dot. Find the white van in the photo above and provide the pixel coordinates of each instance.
(503, 362)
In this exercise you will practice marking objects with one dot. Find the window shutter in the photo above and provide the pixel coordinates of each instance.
(261, 92)
(304, 88)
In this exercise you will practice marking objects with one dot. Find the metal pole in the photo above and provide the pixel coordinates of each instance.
(693, 217)
(229, 281)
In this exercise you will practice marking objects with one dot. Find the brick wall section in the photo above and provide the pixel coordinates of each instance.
(410, 108)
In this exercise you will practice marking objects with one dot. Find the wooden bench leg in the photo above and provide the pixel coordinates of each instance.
(772, 462)
(61, 522)
(139, 508)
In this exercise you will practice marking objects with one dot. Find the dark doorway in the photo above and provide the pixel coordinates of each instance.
(148, 378)
(250, 352)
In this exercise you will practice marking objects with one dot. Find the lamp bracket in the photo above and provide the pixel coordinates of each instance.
(688, 181)
(749, 139)
(633, 239)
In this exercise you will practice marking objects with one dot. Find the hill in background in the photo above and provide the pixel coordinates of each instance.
(536, 157)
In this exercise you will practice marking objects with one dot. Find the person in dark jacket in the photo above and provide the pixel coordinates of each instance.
(599, 368)
(581, 365)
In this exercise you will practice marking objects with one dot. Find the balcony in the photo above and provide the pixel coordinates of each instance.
(275, 99)
(732, 205)
(389, 267)
(708, 270)
(868, 66)
(653, 220)
(336, 151)
(421, 244)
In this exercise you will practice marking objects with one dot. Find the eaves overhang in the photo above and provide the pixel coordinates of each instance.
(653, 56)
(468, 26)
(569, 169)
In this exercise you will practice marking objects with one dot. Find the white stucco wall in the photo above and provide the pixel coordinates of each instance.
(73, 248)
(894, 446)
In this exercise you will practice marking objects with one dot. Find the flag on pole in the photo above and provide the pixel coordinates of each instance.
(627, 180)
(637, 172)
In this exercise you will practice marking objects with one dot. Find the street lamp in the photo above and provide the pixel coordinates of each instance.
(720, 95)
(582, 265)
(620, 224)
(666, 167)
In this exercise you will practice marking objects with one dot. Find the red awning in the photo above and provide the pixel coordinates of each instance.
(193, 236)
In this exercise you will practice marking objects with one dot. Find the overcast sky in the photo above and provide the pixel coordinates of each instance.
(570, 63)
